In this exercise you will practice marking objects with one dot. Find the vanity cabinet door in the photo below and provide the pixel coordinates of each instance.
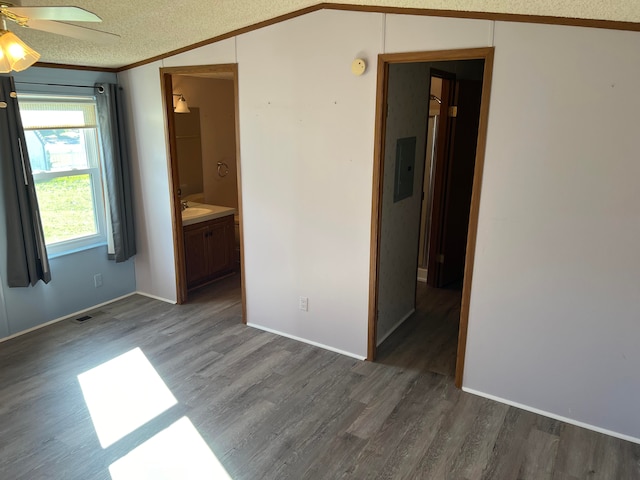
(196, 253)
(209, 250)
(221, 246)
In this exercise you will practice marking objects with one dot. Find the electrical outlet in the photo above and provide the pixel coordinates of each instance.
(97, 280)
(303, 304)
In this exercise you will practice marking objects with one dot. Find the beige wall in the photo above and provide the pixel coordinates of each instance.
(215, 100)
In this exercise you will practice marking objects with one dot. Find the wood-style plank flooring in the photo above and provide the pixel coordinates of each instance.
(270, 407)
(430, 335)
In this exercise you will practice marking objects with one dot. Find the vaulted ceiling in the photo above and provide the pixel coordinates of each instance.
(149, 28)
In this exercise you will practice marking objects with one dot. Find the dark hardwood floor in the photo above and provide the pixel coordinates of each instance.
(270, 407)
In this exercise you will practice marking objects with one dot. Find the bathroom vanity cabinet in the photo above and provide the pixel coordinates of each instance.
(209, 250)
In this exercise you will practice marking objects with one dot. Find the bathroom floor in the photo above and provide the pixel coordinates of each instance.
(226, 290)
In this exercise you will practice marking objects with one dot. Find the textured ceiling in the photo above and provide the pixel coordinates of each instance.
(149, 28)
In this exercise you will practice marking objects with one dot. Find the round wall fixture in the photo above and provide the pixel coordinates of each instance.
(358, 66)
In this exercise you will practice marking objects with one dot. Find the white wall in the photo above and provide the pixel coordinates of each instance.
(407, 115)
(155, 269)
(409, 33)
(555, 297)
(556, 288)
(306, 136)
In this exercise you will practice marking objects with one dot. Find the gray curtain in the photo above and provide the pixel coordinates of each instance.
(111, 114)
(27, 260)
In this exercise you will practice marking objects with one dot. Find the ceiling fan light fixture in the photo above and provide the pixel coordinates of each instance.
(15, 54)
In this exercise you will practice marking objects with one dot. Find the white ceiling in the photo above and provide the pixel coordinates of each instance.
(149, 28)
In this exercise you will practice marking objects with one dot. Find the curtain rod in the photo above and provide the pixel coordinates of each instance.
(100, 89)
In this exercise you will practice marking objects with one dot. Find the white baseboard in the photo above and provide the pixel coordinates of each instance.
(155, 297)
(422, 275)
(571, 421)
(65, 317)
(402, 320)
(304, 340)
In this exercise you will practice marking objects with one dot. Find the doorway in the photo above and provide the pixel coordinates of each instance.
(201, 105)
(427, 176)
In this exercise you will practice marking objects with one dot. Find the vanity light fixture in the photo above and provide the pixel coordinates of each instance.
(14, 53)
(181, 104)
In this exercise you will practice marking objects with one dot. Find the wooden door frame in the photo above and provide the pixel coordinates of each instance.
(166, 83)
(384, 60)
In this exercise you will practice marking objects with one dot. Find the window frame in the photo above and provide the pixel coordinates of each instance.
(96, 178)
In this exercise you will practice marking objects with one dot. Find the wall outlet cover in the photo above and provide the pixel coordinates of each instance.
(303, 304)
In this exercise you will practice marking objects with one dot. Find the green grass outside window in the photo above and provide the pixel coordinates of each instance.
(66, 208)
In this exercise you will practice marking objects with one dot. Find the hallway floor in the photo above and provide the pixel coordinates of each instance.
(428, 340)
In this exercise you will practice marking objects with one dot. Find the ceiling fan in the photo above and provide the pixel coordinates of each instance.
(16, 55)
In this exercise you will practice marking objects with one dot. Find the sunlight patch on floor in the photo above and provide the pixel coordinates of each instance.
(176, 453)
(123, 394)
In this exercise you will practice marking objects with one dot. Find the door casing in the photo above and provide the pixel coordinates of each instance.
(384, 60)
(166, 73)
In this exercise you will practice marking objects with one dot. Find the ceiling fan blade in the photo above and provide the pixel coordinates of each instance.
(74, 31)
(59, 14)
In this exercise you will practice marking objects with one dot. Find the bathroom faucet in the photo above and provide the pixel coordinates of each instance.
(184, 205)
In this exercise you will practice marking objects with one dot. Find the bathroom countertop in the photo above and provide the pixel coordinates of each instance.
(201, 212)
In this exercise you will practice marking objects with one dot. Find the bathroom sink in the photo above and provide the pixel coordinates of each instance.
(192, 212)
(201, 212)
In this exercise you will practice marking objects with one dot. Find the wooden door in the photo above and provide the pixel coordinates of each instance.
(456, 181)
(443, 144)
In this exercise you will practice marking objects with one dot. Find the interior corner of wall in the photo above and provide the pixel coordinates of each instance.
(492, 34)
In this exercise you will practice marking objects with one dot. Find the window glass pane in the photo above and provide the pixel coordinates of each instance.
(50, 114)
(54, 150)
(66, 207)
(62, 139)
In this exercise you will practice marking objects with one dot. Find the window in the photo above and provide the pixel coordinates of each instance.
(64, 149)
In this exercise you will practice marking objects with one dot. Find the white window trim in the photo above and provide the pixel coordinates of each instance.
(74, 245)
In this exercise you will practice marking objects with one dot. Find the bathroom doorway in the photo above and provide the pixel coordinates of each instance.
(201, 105)
(427, 175)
